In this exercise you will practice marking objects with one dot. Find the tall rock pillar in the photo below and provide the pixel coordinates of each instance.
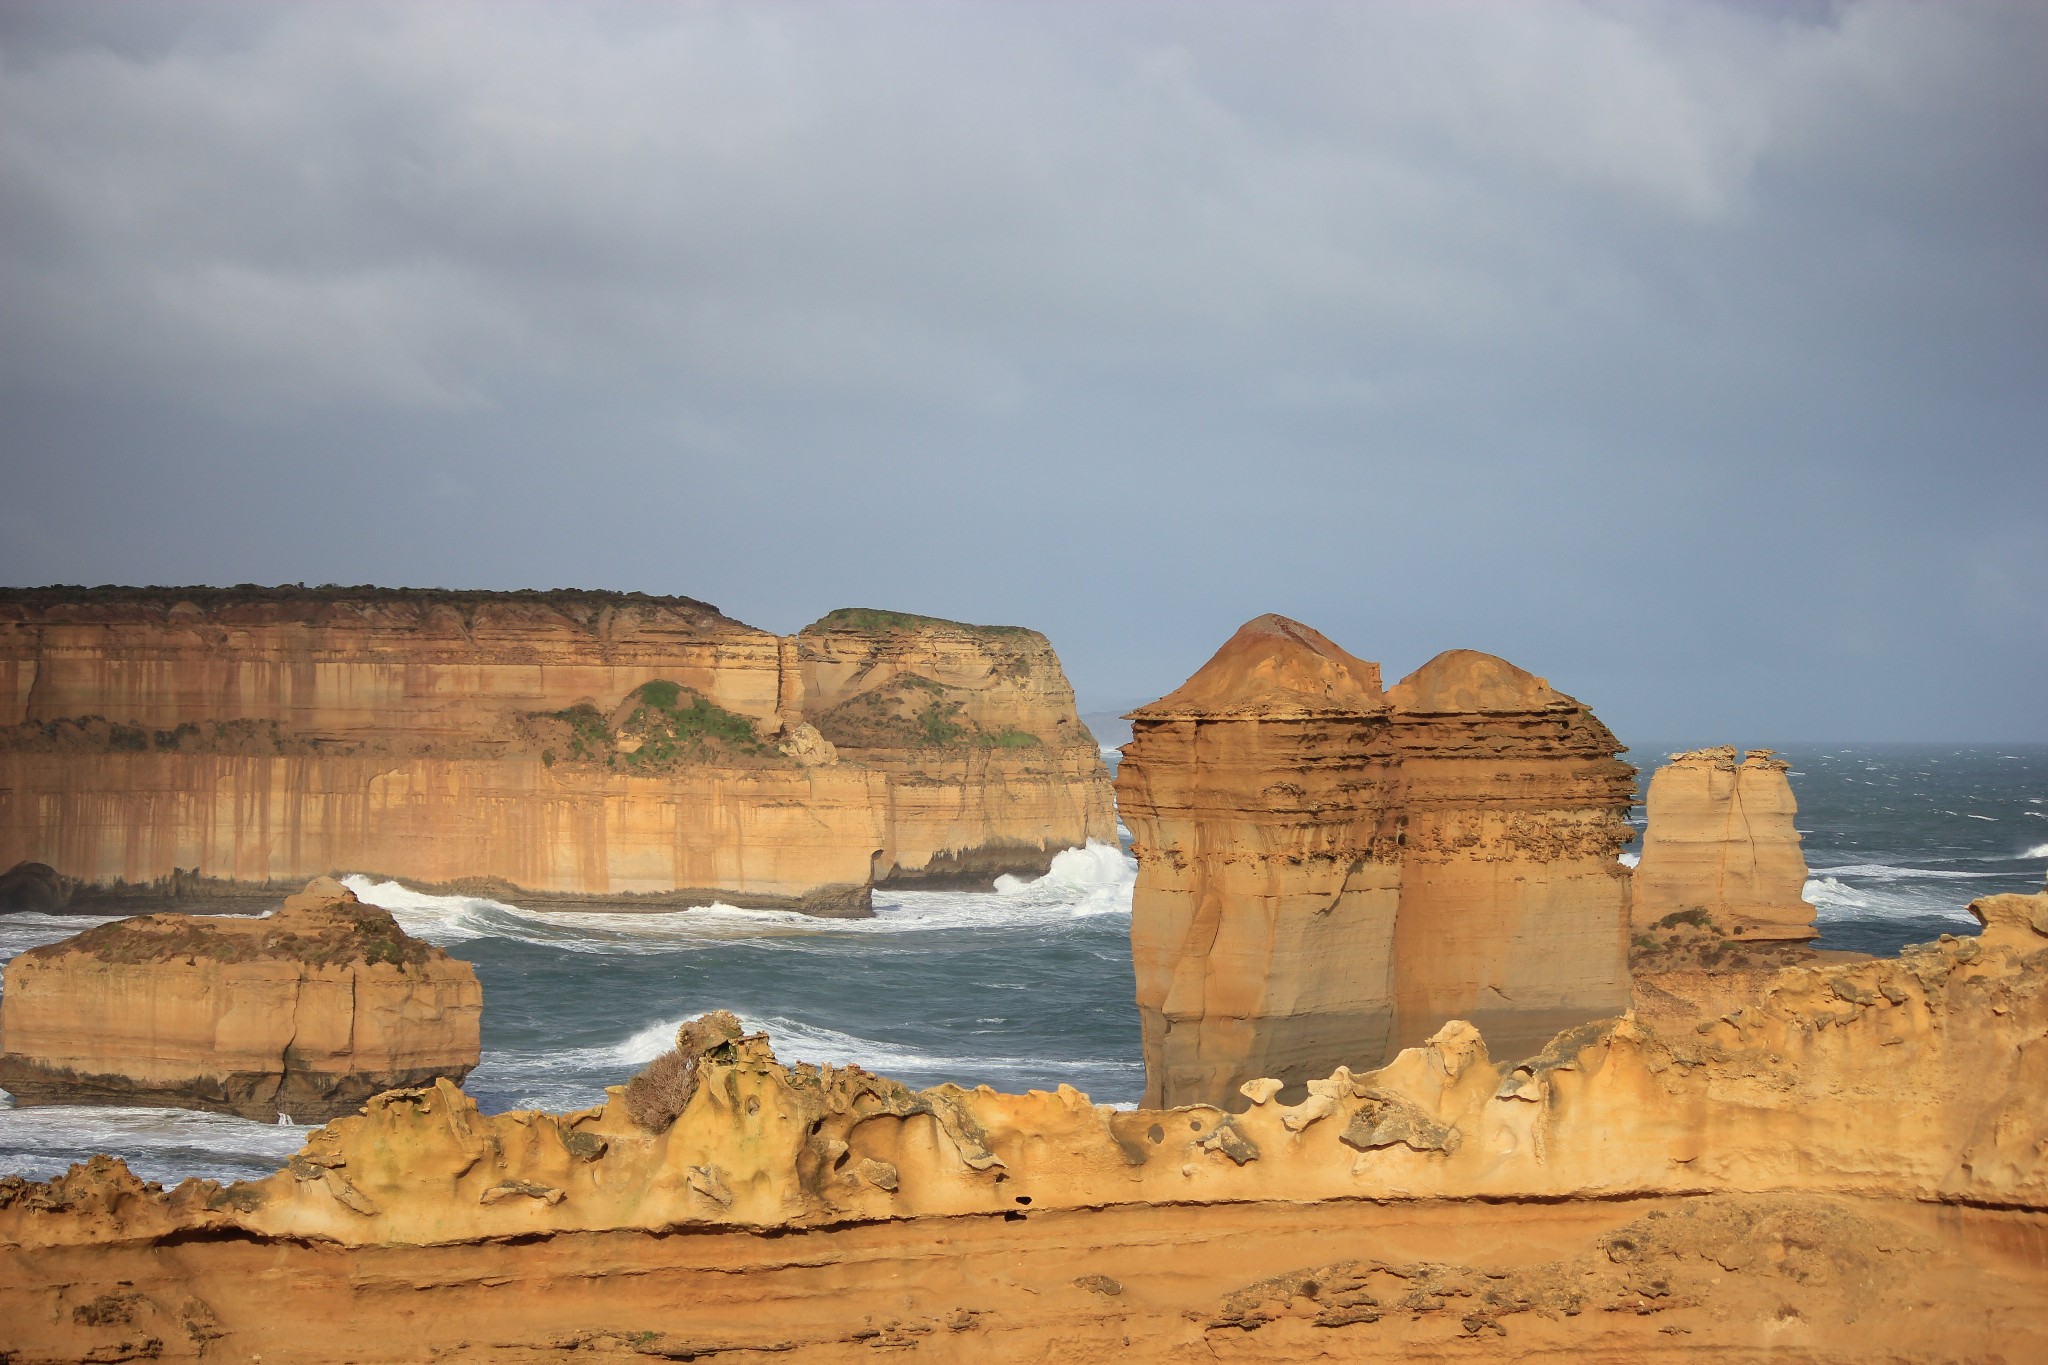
(1720, 839)
(1514, 906)
(1263, 920)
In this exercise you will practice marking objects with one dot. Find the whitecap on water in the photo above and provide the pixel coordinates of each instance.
(167, 1145)
(1095, 880)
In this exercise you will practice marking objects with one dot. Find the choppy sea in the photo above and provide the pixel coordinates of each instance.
(1025, 986)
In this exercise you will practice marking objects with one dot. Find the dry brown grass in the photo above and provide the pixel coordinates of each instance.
(657, 1096)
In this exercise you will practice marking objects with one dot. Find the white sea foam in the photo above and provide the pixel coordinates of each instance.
(26, 929)
(1886, 872)
(1629, 859)
(1833, 899)
(2037, 851)
(1094, 880)
(158, 1144)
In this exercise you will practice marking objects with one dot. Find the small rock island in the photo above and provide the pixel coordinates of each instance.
(304, 1013)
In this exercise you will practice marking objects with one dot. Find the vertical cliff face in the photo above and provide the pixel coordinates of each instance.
(990, 767)
(559, 744)
(1327, 872)
(307, 1012)
(1514, 908)
(1720, 841)
(1258, 796)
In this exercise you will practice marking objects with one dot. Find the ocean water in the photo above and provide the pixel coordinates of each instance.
(1023, 987)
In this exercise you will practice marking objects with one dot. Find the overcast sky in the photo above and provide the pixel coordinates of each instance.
(1693, 356)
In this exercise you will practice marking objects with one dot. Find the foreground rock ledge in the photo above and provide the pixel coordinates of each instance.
(306, 1013)
(1858, 1155)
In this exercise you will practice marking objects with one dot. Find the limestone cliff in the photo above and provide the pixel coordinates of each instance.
(1720, 842)
(306, 1012)
(991, 770)
(553, 745)
(1261, 798)
(1327, 871)
(1857, 1155)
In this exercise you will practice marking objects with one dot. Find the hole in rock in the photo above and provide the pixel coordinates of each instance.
(1156, 1133)
(1023, 1198)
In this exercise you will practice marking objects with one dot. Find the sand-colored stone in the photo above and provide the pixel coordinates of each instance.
(1514, 908)
(1720, 840)
(991, 770)
(306, 1012)
(1260, 795)
(1327, 872)
(234, 741)
(1856, 1156)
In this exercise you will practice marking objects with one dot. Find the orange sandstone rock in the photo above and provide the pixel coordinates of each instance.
(1720, 841)
(1328, 872)
(552, 746)
(1260, 798)
(990, 769)
(1514, 909)
(306, 1012)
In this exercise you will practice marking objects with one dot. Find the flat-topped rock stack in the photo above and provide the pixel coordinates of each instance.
(1720, 843)
(1328, 871)
(306, 1012)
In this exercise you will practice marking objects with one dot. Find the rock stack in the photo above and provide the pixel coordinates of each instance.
(1329, 871)
(1720, 844)
(304, 1013)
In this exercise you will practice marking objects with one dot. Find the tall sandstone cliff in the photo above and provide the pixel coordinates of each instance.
(1328, 871)
(307, 1012)
(561, 745)
(1720, 842)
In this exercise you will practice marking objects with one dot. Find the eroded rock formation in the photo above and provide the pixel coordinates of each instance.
(1720, 843)
(1856, 1155)
(306, 1012)
(1329, 871)
(176, 743)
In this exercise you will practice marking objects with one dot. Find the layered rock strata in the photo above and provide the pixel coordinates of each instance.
(1720, 843)
(1857, 1154)
(1328, 871)
(306, 1012)
(167, 744)
(990, 769)
(1263, 802)
(1514, 907)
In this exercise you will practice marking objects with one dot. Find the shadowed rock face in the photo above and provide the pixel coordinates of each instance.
(1328, 872)
(1720, 841)
(306, 1012)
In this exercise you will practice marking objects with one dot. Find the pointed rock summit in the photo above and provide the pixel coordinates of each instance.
(1274, 666)
(1327, 871)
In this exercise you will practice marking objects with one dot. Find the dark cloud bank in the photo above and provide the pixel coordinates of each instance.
(1694, 356)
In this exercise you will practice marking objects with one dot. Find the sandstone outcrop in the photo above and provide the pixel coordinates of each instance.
(1857, 1155)
(165, 745)
(990, 768)
(1720, 843)
(306, 1012)
(1328, 871)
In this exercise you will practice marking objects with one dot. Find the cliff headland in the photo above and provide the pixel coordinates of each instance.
(167, 745)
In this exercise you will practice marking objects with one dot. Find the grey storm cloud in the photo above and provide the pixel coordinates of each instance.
(1693, 355)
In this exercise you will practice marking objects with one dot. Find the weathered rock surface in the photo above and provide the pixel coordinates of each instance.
(1857, 1155)
(1262, 798)
(1720, 842)
(990, 769)
(163, 745)
(1329, 871)
(1514, 909)
(306, 1012)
